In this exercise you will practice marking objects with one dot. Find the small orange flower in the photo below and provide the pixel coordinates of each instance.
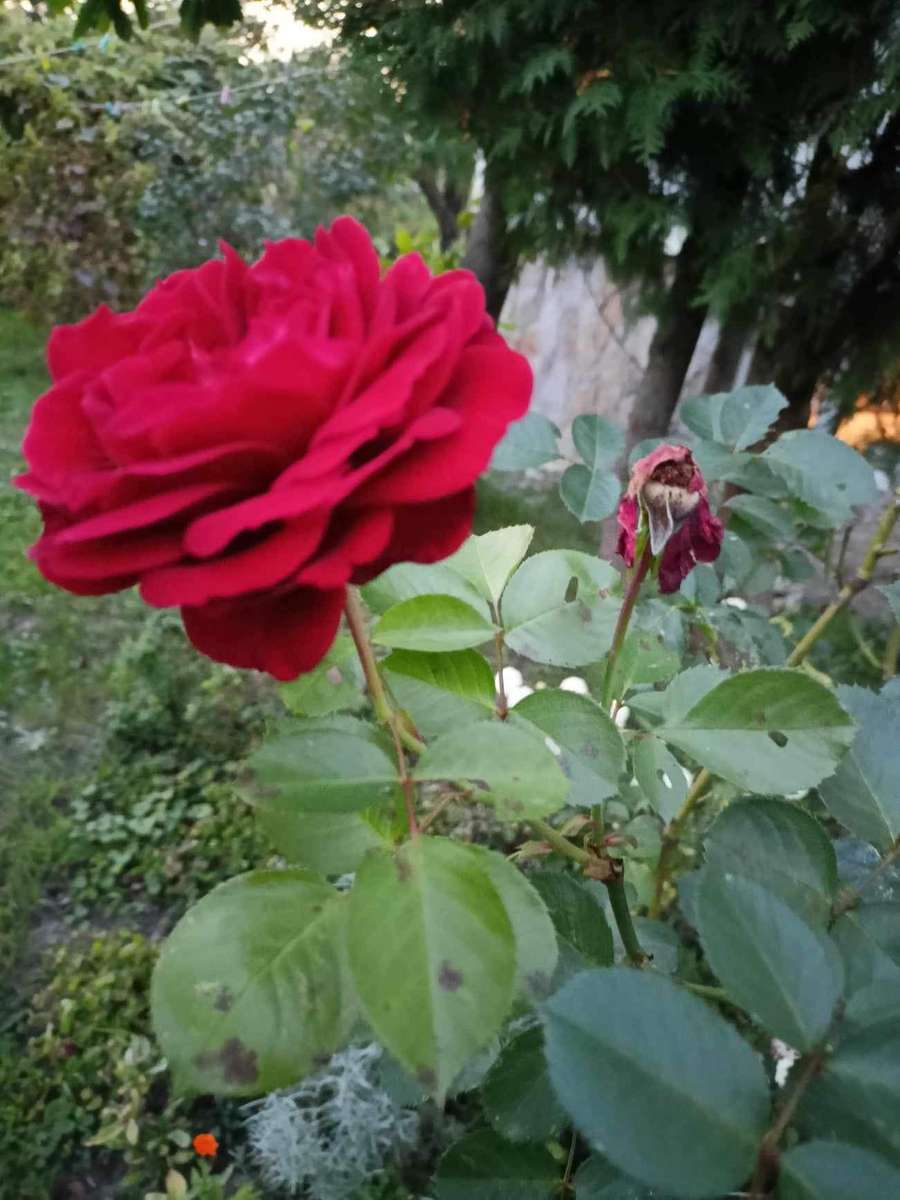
(206, 1145)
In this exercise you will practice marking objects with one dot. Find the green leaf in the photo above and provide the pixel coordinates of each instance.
(487, 560)
(251, 989)
(737, 419)
(337, 765)
(778, 845)
(408, 580)
(584, 935)
(686, 689)
(863, 794)
(517, 1096)
(335, 684)
(599, 442)
(681, 1102)
(482, 1166)
(835, 1171)
(754, 942)
(769, 730)
(441, 691)
(331, 843)
(533, 929)
(511, 769)
(891, 592)
(432, 623)
(438, 988)
(591, 751)
(643, 658)
(764, 516)
(589, 495)
(553, 611)
(530, 442)
(659, 776)
(864, 938)
(598, 1179)
(856, 1097)
(826, 474)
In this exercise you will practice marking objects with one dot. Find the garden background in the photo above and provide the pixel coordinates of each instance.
(743, 195)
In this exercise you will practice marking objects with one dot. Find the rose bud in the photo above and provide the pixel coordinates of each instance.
(666, 502)
(253, 438)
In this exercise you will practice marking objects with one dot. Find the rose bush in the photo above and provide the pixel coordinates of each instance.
(251, 439)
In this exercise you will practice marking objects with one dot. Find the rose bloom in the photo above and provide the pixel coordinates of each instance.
(667, 491)
(251, 439)
(206, 1145)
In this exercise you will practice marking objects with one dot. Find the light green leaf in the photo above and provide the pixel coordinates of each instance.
(737, 419)
(826, 474)
(584, 935)
(533, 929)
(754, 942)
(251, 988)
(769, 730)
(659, 776)
(643, 658)
(863, 794)
(518, 1098)
(685, 690)
(438, 988)
(405, 581)
(681, 1102)
(510, 768)
(589, 495)
(778, 845)
(336, 684)
(835, 1171)
(487, 560)
(331, 843)
(553, 611)
(435, 623)
(482, 1166)
(336, 765)
(441, 691)
(529, 442)
(591, 751)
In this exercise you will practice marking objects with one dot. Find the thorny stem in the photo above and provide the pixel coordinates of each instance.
(671, 836)
(849, 898)
(767, 1158)
(634, 586)
(407, 784)
(618, 902)
(502, 703)
(853, 587)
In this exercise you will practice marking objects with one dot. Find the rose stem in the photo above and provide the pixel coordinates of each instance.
(628, 603)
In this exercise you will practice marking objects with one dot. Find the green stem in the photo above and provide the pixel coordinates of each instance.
(671, 836)
(861, 580)
(628, 603)
(767, 1159)
(560, 844)
(618, 902)
(356, 621)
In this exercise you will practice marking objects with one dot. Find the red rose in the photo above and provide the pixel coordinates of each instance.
(251, 439)
(667, 491)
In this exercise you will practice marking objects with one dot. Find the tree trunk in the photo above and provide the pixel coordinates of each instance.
(671, 351)
(726, 359)
(445, 203)
(488, 253)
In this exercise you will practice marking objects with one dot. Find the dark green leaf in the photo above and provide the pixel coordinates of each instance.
(530, 442)
(438, 988)
(659, 776)
(598, 1179)
(754, 943)
(591, 751)
(867, 943)
(482, 1166)
(251, 989)
(863, 793)
(336, 684)
(580, 922)
(891, 592)
(835, 1171)
(737, 419)
(589, 495)
(826, 474)
(681, 1100)
(517, 1096)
